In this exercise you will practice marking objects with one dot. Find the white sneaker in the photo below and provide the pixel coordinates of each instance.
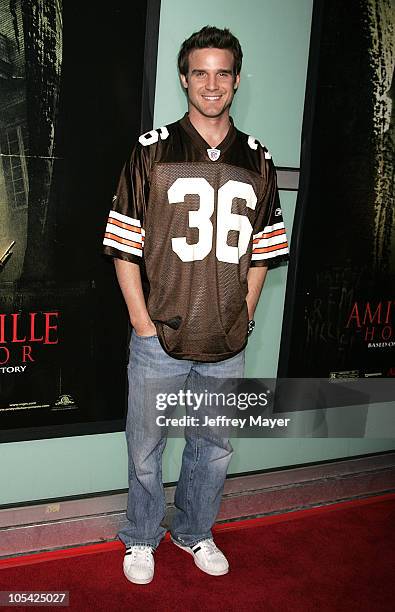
(207, 557)
(139, 564)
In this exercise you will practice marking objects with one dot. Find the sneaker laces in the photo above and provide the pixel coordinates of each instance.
(141, 551)
(210, 547)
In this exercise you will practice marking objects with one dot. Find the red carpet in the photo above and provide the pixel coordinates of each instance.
(336, 558)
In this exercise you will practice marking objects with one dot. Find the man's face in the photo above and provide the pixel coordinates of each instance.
(210, 82)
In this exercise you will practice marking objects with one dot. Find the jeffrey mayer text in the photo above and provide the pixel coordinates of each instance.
(220, 421)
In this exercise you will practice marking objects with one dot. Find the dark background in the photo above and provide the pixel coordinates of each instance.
(101, 114)
(333, 262)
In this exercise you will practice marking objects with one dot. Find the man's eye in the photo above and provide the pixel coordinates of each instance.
(224, 74)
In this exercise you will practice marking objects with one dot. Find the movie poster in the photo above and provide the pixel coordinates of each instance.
(340, 310)
(71, 82)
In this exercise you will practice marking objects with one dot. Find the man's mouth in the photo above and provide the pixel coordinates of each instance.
(212, 98)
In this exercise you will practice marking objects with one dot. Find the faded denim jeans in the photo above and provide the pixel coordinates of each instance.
(204, 462)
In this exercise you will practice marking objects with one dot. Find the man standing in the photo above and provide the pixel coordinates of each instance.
(194, 225)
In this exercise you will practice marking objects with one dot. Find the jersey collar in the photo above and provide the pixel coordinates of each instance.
(199, 141)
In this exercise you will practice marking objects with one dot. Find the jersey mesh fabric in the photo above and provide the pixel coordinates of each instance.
(198, 305)
(208, 295)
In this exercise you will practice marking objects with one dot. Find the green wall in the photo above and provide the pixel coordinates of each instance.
(269, 105)
(274, 35)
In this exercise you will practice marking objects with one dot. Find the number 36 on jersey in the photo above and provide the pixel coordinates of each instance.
(201, 219)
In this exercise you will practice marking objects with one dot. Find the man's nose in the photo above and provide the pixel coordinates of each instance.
(212, 82)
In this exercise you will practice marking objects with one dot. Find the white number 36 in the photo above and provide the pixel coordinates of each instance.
(226, 220)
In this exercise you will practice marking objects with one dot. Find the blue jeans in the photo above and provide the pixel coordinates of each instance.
(204, 461)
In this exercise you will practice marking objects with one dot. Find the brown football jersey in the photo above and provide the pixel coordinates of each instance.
(195, 218)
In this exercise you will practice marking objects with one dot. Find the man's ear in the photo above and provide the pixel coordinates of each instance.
(184, 81)
(237, 81)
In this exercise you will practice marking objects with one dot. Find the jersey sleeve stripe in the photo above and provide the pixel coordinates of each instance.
(266, 242)
(127, 226)
(269, 255)
(274, 247)
(123, 247)
(123, 241)
(123, 233)
(129, 220)
(269, 229)
(266, 236)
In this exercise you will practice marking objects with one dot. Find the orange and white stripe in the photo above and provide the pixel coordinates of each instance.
(271, 242)
(124, 233)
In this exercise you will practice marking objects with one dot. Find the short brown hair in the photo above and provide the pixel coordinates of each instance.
(210, 37)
